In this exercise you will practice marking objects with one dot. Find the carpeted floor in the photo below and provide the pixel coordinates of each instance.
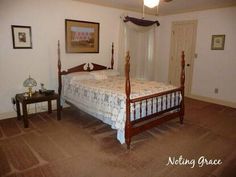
(82, 146)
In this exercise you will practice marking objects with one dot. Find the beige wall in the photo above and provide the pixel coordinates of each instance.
(46, 18)
(212, 68)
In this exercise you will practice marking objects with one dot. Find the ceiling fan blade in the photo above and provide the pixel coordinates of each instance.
(167, 0)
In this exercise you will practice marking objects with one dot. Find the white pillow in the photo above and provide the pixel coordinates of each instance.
(98, 75)
(79, 76)
(111, 72)
(107, 72)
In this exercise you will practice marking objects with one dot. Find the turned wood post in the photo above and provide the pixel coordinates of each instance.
(59, 68)
(112, 55)
(182, 80)
(127, 91)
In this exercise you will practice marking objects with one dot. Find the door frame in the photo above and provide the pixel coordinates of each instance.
(188, 88)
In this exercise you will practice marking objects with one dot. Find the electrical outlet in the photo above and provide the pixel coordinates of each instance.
(216, 90)
(13, 100)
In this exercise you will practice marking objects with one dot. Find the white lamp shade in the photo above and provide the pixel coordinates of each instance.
(151, 3)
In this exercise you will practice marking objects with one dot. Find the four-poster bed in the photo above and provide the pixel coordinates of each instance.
(128, 105)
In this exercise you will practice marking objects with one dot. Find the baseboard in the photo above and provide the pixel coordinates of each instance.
(40, 107)
(213, 100)
(7, 115)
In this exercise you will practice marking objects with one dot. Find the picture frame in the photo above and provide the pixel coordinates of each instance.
(81, 36)
(21, 36)
(218, 42)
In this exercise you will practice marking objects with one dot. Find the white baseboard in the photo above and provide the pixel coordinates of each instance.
(40, 107)
(7, 115)
(213, 100)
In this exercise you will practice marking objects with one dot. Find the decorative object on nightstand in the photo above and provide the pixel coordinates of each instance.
(30, 82)
(45, 91)
(42, 87)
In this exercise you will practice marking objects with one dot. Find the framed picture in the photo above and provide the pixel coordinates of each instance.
(82, 36)
(218, 42)
(21, 36)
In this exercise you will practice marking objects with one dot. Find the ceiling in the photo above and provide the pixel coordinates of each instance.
(173, 7)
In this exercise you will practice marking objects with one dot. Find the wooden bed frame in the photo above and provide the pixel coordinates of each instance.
(136, 126)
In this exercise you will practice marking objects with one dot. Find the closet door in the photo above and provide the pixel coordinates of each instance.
(183, 38)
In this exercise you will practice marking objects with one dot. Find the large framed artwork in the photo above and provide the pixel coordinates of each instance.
(218, 42)
(21, 36)
(82, 36)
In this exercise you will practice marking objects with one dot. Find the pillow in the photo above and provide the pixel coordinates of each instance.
(79, 76)
(107, 72)
(111, 72)
(98, 75)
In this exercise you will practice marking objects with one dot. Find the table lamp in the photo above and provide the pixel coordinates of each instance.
(30, 82)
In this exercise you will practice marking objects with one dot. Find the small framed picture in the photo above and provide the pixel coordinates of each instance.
(21, 36)
(218, 42)
(82, 36)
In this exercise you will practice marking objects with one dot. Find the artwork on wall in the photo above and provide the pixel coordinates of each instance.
(218, 42)
(21, 36)
(82, 36)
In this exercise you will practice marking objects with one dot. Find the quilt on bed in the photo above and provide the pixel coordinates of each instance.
(104, 98)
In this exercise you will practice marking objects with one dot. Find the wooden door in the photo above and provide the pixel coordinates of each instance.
(183, 38)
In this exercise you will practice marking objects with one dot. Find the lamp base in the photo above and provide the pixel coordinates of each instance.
(30, 92)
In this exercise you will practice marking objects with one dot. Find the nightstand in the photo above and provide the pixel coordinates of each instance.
(35, 98)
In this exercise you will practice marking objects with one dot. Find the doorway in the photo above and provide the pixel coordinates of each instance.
(183, 38)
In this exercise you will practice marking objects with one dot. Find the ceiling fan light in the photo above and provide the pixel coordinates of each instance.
(151, 3)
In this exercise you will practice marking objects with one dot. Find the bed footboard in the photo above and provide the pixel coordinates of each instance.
(146, 112)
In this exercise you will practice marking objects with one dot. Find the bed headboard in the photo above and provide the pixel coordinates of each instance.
(85, 67)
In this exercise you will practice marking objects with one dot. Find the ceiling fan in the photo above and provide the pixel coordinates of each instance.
(153, 3)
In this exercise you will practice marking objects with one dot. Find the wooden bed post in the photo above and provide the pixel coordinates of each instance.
(182, 80)
(112, 56)
(59, 68)
(127, 91)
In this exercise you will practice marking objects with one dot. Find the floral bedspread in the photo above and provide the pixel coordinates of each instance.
(105, 99)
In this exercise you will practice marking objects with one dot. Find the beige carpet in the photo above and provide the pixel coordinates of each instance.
(81, 146)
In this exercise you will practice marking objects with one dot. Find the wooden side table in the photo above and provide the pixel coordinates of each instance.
(35, 98)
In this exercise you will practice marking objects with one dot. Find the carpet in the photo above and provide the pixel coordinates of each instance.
(82, 146)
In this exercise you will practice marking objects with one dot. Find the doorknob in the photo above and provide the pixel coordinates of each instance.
(188, 64)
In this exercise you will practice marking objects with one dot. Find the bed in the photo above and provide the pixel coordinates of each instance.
(130, 106)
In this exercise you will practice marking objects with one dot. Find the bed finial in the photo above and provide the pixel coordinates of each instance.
(59, 67)
(112, 55)
(127, 91)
